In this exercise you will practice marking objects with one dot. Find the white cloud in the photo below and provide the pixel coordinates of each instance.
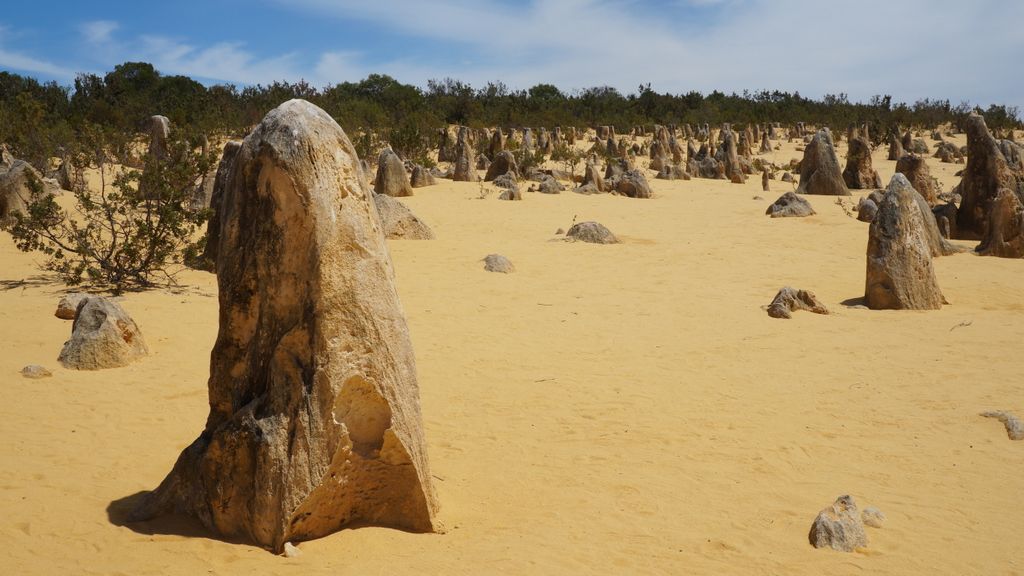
(911, 49)
(15, 60)
(98, 31)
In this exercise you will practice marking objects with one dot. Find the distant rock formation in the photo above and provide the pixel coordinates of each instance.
(819, 169)
(391, 177)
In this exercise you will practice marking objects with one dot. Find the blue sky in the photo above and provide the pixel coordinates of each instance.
(908, 48)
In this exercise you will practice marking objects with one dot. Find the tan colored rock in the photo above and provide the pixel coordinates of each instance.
(314, 419)
(67, 308)
(789, 300)
(859, 173)
(900, 274)
(819, 169)
(224, 169)
(985, 174)
(391, 177)
(915, 168)
(839, 527)
(19, 184)
(103, 336)
(1004, 235)
(592, 232)
(399, 222)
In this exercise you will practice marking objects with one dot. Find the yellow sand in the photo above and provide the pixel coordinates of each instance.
(626, 409)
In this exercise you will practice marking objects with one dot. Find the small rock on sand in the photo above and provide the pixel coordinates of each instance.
(498, 263)
(35, 372)
(839, 527)
(873, 517)
(1014, 427)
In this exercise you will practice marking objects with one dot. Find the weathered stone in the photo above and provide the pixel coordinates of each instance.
(839, 527)
(592, 232)
(314, 419)
(895, 147)
(787, 177)
(391, 177)
(859, 173)
(672, 172)
(421, 177)
(67, 308)
(103, 336)
(35, 372)
(591, 175)
(291, 551)
(1004, 235)
(819, 169)
(632, 183)
(224, 170)
(549, 185)
(866, 210)
(985, 174)
(1014, 427)
(789, 300)
(398, 221)
(498, 263)
(765, 177)
(159, 131)
(900, 274)
(504, 163)
(19, 185)
(873, 517)
(464, 168)
(790, 205)
(916, 170)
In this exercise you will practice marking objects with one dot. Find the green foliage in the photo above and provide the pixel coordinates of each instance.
(569, 156)
(117, 238)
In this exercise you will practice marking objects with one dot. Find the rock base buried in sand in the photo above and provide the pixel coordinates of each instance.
(1014, 427)
(103, 336)
(591, 232)
(873, 517)
(900, 273)
(789, 300)
(35, 372)
(314, 420)
(498, 263)
(790, 205)
(839, 527)
(399, 222)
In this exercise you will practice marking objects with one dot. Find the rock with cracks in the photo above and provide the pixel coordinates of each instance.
(1004, 235)
(399, 222)
(900, 274)
(592, 232)
(819, 169)
(498, 263)
(391, 177)
(790, 205)
(789, 300)
(314, 419)
(985, 174)
(103, 336)
(859, 173)
(839, 527)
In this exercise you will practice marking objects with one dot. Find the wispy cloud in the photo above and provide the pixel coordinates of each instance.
(16, 60)
(98, 31)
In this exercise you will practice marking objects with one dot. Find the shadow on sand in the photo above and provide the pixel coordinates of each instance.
(119, 510)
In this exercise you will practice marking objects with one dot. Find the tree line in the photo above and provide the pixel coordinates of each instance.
(42, 120)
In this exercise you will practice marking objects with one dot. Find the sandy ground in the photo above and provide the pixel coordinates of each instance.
(626, 409)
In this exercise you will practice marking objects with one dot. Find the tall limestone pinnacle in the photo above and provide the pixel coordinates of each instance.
(314, 417)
